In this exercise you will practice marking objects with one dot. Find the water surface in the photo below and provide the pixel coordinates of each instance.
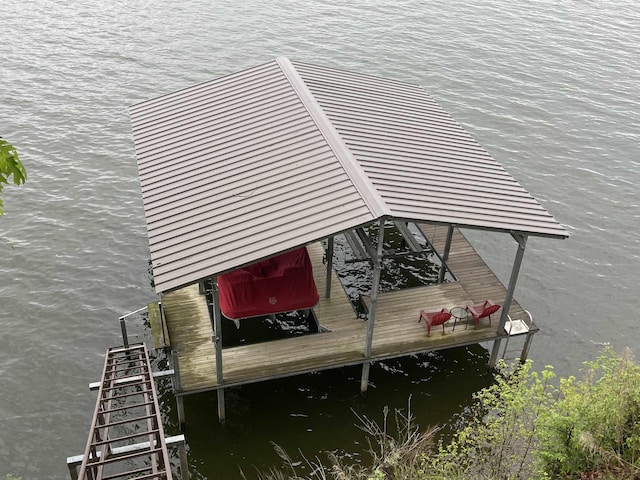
(551, 89)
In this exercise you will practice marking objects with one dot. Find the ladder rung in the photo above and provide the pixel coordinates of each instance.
(125, 407)
(155, 431)
(128, 456)
(115, 368)
(123, 422)
(128, 474)
(176, 439)
(126, 384)
(158, 475)
(125, 395)
(159, 374)
(114, 350)
(125, 380)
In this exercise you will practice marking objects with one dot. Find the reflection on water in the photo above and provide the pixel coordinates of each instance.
(402, 266)
(309, 414)
(268, 328)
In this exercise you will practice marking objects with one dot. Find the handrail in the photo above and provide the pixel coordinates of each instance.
(510, 323)
(123, 325)
(133, 313)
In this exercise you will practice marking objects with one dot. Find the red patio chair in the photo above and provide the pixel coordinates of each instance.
(434, 319)
(482, 310)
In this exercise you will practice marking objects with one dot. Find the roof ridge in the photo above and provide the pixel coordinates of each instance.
(359, 178)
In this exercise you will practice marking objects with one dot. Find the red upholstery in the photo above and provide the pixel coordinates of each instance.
(434, 319)
(279, 284)
(482, 310)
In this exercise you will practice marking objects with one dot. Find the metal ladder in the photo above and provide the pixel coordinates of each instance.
(126, 414)
(514, 328)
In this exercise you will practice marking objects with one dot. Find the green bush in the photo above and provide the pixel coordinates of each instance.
(524, 426)
(499, 438)
(594, 426)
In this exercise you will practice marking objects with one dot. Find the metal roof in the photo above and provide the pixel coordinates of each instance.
(283, 154)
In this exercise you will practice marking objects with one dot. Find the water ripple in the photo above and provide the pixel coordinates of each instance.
(551, 89)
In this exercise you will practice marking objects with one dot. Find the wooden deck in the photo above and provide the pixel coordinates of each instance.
(397, 332)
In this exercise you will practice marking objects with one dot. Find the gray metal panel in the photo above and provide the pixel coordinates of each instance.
(423, 164)
(235, 170)
(280, 155)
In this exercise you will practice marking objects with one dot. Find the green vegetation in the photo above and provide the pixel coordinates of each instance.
(10, 165)
(524, 426)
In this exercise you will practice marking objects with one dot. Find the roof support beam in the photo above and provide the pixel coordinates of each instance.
(445, 255)
(358, 250)
(371, 250)
(377, 267)
(522, 243)
(412, 243)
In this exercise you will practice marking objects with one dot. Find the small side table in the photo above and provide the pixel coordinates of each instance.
(459, 313)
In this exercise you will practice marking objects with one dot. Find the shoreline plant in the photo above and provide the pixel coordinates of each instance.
(525, 426)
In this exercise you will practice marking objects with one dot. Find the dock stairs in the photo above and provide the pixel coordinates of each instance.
(127, 438)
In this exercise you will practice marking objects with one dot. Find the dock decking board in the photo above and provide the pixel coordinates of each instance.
(397, 331)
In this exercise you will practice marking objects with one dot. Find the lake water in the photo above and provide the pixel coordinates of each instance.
(551, 89)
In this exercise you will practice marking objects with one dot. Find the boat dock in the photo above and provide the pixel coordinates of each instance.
(286, 155)
(397, 332)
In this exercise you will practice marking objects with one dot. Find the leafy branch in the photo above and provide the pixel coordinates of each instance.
(10, 166)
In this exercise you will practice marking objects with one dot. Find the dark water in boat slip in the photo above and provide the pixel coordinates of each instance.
(551, 89)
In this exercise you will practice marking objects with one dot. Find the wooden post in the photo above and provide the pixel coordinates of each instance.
(327, 292)
(377, 267)
(177, 388)
(522, 244)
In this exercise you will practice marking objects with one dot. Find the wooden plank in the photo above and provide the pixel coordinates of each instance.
(159, 330)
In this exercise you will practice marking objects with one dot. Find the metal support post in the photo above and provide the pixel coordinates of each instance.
(217, 339)
(221, 405)
(184, 464)
(73, 470)
(445, 255)
(327, 292)
(447, 243)
(377, 267)
(123, 329)
(522, 244)
(177, 388)
(526, 347)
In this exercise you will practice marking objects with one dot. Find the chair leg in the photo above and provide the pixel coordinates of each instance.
(443, 328)
(428, 329)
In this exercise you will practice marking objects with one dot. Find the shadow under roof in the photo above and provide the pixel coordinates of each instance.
(277, 156)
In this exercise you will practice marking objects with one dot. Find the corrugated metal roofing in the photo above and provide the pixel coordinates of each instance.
(280, 155)
(422, 163)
